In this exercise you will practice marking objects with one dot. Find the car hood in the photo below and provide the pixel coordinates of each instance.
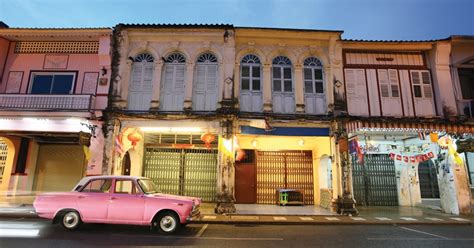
(177, 197)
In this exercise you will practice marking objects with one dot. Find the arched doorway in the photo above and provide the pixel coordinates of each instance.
(428, 180)
(126, 164)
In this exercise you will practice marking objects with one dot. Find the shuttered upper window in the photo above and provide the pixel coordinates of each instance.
(313, 76)
(205, 83)
(250, 73)
(388, 82)
(421, 82)
(282, 75)
(172, 89)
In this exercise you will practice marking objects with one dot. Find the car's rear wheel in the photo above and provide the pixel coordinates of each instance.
(71, 220)
(167, 222)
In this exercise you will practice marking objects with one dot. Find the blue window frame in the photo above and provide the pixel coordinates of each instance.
(52, 83)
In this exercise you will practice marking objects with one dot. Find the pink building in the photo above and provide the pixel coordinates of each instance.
(54, 86)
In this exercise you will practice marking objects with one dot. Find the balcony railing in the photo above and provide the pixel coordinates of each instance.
(46, 102)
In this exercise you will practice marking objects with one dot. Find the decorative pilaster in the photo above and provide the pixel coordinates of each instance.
(155, 98)
(267, 88)
(299, 91)
(188, 86)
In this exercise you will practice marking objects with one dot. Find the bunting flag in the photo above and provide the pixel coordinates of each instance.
(421, 135)
(412, 158)
(87, 153)
(354, 148)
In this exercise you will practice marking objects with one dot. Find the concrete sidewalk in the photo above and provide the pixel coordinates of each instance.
(367, 216)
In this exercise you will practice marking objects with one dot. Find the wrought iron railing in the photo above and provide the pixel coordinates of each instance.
(46, 102)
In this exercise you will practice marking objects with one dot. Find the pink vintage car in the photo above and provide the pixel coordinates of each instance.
(117, 200)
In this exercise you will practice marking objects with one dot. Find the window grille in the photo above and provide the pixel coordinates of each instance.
(144, 57)
(207, 58)
(56, 47)
(281, 60)
(175, 58)
(250, 59)
(312, 61)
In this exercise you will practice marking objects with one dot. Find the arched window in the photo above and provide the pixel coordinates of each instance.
(250, 84)
(313, 76)
(205, 83)
(141, 87)
(172, 88)
(315, 99)
(282, 77)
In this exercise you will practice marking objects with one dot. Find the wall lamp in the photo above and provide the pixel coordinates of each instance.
(104, 71)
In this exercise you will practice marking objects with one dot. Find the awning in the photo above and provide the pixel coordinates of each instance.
(286, 131)
(353, 126)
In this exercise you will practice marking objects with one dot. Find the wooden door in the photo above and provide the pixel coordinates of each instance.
(126, 164)
(245, 179)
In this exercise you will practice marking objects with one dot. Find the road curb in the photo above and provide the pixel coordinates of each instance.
(333, 223)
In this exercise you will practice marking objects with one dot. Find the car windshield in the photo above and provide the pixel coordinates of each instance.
(148, 186)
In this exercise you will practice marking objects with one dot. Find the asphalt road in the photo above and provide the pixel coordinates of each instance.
(41, 233)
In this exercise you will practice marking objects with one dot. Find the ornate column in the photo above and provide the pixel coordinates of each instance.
(267, 88)
(226, 179)
(344, 203)
(155, 98)
(299, 91)
(188, 86)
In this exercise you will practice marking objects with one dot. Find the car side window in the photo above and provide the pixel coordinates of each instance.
(125, 187)
(98, 186)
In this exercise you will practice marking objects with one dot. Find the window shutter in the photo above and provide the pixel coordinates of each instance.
(393, 77)
(384, 83)
(179, 78)
(350, 82)
(136, 77)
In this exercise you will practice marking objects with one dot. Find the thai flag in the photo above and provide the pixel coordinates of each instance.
(118, 145)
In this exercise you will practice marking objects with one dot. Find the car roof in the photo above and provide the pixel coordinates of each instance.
(88, 178)
(115, 176)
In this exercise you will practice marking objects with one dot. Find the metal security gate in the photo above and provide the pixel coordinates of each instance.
(428, 180)
(285, 169)
(190, 172)
(374, 180)
(3, 158)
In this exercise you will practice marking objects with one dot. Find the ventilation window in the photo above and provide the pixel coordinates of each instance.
(57, 47)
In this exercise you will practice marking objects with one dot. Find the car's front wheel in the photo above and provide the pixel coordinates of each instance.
(167, 222)
(71, 220)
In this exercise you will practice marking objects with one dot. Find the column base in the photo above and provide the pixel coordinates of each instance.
(225, 204)
(267, 107)
(345, 205)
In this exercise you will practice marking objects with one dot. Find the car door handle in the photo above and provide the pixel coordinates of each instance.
(80, 197)
(113, 198)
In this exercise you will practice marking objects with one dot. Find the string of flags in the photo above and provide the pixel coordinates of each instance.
(412, 159)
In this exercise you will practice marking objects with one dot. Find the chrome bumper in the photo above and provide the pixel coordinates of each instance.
(194, 215)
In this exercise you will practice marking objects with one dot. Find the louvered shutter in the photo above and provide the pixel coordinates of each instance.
(425, 76)
(384, 83)
(393, 78)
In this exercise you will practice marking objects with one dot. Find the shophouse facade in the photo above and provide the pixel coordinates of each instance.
(208, 110)
(462, 73)
(54, 86)
(404, 121)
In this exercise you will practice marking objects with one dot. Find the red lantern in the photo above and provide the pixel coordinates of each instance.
(240, 155)
(208, 138)
(134, 137)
